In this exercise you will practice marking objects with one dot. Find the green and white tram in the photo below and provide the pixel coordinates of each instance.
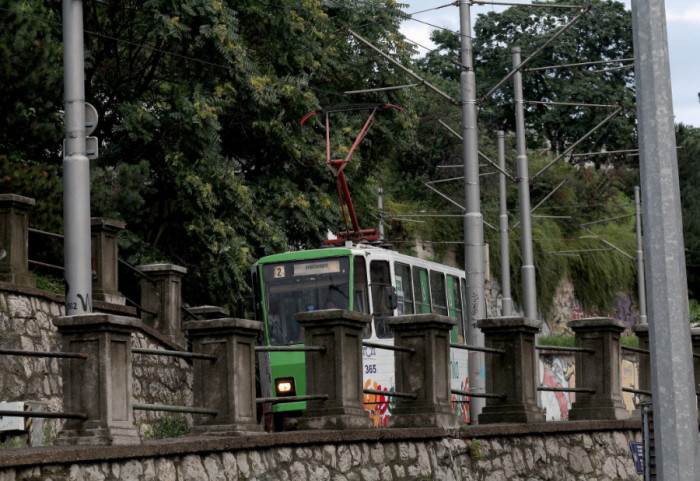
(360, 278)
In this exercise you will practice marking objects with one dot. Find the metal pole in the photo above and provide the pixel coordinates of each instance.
(473, 219)
(76, 167)
(675, 407)
(506, 301)
(642, 293)
(528, 266)
(380, 206)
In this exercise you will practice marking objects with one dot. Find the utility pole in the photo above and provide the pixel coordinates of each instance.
(506, 301)
(473, 219)
(672, 379)
(641, 287)
(380, 206)
(76, 167)
(528, 265)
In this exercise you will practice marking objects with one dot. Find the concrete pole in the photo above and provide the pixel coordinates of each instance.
(380, 206)
(641, 287)
(473, 220)
(506, 301)
(76, 167)
(528, 266)
(673, 392)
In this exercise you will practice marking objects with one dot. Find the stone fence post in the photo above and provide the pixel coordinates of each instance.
(101, 385)
(105, 260)
(598, 370)
(695, 339)
(14, 240)
(513, 373)
(337, 371)
(424, 372)
(228, 383)
(642, 333)
(162, 298)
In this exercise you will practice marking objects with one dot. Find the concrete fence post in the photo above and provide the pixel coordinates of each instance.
(228, 383)
(642, 333)
(101, 385)
(14, 240)
(161, 299)
(695, 339)
(424, 372)
(513, 373)
(599, 369)
(105, 260)
(337, 371)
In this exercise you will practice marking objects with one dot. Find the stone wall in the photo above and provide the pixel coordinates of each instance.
(553, 451)
(26, 316)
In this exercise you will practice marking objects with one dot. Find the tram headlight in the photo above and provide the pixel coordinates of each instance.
(284, 386)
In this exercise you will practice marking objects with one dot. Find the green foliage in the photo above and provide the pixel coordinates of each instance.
(688, 139)
(694, 311)
(168, 425)
(49, 283)
(559, 340)
(605, 33)
(475, 450)
(568, 340)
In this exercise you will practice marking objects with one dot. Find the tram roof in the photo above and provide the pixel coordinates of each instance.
(361, 249)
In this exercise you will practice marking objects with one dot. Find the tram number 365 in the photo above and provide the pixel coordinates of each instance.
(370, 369)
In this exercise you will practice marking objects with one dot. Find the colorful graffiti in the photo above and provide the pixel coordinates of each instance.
(556, 371)
(378, 406)
(460, 404)
(559, 371)
(625, 312)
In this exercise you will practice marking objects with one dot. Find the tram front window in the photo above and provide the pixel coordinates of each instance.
(308, 285)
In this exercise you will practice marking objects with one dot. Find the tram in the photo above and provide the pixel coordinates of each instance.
(360, 278)
(354, 273)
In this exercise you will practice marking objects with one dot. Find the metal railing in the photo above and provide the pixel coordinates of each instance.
(388, 347)
(50, 354)
(168, 407)
(564, 349)
(467, 347)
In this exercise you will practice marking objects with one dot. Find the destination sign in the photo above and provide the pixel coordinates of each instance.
(315, 268)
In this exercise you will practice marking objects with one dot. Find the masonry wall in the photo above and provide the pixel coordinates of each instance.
(554, 451)
(26, 316)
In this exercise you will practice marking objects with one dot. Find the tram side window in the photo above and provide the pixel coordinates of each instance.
(360, 300)
(437, 289)
(454, 305)
(421, 294)
(380, 280)
(404, 289)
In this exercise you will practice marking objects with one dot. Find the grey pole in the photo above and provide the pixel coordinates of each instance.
(380, 206)
(506, 301)
(473, 220)
(672, 380)
(76, 167)
(641, 288)
(528, 266)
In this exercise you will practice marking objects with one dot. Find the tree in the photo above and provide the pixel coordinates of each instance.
(200, 101)
(688, 140)
(603, 34)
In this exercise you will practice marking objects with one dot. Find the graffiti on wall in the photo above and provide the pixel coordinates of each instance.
(556, 370)
(378, 406)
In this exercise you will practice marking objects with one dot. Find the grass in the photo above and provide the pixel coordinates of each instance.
(568, 340)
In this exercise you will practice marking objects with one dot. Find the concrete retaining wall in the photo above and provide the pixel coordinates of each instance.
(551, 451)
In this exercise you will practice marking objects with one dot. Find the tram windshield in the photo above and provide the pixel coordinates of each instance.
(299, 286)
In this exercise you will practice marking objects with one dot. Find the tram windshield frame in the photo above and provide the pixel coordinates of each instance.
(296, 286)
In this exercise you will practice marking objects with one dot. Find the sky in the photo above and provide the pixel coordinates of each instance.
(683, 27)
